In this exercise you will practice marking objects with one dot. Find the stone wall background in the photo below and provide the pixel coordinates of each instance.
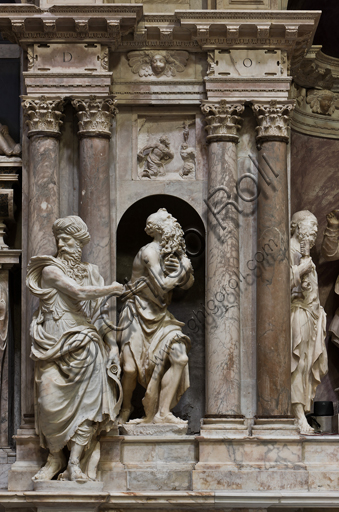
(314, 187)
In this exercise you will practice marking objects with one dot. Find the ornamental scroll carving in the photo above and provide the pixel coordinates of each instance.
(273, 120)
(157, 63)
(223, 120)
(95, 115)
(43, 115)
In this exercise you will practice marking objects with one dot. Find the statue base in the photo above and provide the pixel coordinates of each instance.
(151, 429)
(65, 487)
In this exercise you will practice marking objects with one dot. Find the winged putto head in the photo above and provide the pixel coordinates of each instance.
(157, 62)
(323, 101)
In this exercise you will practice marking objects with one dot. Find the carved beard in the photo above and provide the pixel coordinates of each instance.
(306, 236)
(172, 240)
(74, 268)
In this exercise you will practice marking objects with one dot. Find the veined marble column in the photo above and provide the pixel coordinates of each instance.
(44, 121)
(95, 120)
(222, 297)
(273, 287)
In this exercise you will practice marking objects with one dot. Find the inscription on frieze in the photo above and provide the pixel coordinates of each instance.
(58, 58)
(246, 63)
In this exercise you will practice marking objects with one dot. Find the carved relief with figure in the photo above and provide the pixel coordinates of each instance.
(187, 154)
(308, 320)
(154, 348)
(157, 62)
(76, 396)
(154, 156)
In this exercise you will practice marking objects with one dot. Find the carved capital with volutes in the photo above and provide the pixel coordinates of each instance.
(95, 116)
(43, 116)
(273, 119)
(223, 120)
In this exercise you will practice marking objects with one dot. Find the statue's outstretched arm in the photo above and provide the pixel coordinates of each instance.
(53, 277)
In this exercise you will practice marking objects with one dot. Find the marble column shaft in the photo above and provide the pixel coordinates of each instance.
(44, 120)
(95, 119)
(223, 325)
(273, 286)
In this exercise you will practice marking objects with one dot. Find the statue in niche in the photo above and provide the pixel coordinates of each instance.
(330, 252)
(153, 347)
(187, 154)
(157, 62)
(308, 319)
(7, 145)
(74, 353)
(154, 158)
(323, 102)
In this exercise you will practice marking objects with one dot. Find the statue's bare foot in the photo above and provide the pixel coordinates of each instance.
(64, 477)
(139, 421)
(55, 463)
(168, 418)
(304, 426)
(17, 149)
(74, 473)
(124, 415)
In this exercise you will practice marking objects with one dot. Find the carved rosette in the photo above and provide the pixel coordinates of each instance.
(95, 116)
(43, 116)
(273, 120)
(223, 120)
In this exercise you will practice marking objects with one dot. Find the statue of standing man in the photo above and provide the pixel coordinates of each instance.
(75, 399)
(308, 319)
(153, 346)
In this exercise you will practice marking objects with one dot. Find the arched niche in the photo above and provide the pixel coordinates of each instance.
(187, 305)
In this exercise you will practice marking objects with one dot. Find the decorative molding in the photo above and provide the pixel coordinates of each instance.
(95, 116)
(223, 121)
(43, 115)
(157, 63)
(273, 120)
(284, 30)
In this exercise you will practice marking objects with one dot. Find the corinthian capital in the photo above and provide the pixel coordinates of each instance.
(223, 121)
(273, 120)
(95, 116)
(43, 115)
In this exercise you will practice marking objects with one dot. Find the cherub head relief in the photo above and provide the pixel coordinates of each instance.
(323, 101)
(157, 62)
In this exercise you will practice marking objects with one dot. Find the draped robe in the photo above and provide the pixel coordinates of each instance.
(74, 397)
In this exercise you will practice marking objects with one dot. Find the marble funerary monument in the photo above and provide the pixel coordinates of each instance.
(169, 238)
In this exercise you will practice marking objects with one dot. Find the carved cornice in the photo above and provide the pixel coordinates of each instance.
(43, 116)
(95, 116)
(273, 120)
(118, 26)
(223, 121)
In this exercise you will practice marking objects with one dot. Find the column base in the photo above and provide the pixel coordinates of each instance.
(231, 428)
(273, 427)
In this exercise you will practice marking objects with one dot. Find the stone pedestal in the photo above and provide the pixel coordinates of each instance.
(273, 287)
(223, 333)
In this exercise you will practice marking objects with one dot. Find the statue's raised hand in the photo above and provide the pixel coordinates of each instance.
(117, 288)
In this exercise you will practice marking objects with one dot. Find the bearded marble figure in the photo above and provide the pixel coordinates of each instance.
(308, 319)
(73, 350)
(154, 349)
